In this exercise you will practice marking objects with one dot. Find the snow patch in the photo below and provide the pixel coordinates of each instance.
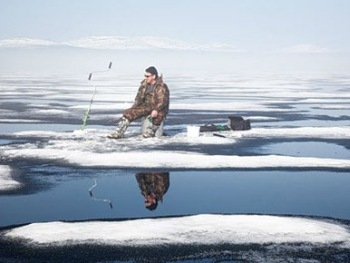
(91, 148)
(6, 181)
(204, 229)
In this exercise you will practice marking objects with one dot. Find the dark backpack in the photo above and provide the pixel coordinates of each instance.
(237, 123)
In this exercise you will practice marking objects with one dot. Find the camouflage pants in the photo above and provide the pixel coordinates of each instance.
(137, 112)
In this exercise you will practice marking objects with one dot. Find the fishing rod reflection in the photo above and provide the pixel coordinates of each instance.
(99, 199)
(153, 186)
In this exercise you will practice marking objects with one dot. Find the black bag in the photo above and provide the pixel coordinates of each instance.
(213, 127)
(236, 123)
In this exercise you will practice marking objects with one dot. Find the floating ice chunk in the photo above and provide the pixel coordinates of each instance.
(206, 229)
(6, 180)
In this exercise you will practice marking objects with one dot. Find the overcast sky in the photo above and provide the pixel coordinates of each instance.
(256, 25)
(240, 35)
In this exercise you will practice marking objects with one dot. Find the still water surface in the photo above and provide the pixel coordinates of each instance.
(56, 193)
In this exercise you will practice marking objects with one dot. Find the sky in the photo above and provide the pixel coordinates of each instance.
(260, 35)
(250, 25)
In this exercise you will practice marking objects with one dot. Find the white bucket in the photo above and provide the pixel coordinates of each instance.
(192, 131)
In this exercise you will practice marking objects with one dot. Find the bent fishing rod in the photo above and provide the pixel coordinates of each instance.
(87, 114)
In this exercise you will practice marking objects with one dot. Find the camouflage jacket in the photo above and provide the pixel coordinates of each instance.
(158, 183)
(158, 98)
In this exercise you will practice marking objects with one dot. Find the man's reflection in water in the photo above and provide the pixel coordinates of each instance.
(153, 186)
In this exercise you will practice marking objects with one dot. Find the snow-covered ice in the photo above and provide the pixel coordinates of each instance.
(91, 148)
(188, 230)
(39, 125)
(262, 99)
(6, 180)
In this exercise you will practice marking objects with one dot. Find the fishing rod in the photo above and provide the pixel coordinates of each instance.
(87, 114)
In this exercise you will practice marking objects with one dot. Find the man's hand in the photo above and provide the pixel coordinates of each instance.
(154, 114)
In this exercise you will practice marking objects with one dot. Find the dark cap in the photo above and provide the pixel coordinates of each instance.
(152, 70)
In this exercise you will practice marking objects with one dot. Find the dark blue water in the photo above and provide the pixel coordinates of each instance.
(309, 149)
(63, 194)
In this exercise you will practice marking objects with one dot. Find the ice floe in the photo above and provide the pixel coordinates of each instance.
(91, 148)
(210, 229)
(6, 180)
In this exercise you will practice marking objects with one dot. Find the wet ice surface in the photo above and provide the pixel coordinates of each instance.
(294, 161)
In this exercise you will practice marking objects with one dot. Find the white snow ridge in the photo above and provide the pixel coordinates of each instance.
(204, 229)
(91, 148)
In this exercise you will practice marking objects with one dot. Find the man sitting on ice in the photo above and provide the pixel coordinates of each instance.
(151, 102)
